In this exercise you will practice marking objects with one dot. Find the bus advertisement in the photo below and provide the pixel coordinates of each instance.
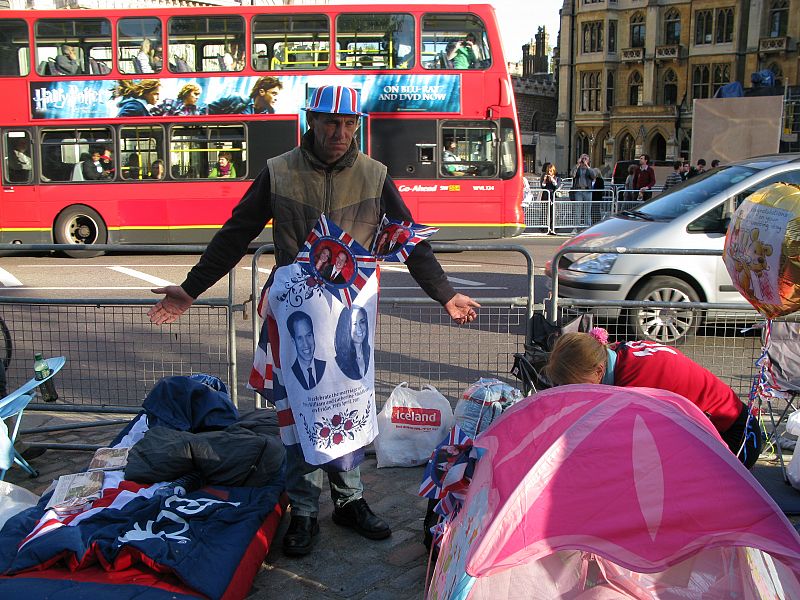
(115, 122)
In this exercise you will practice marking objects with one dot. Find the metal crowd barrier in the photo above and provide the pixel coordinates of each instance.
(570, 210)
(416, 341)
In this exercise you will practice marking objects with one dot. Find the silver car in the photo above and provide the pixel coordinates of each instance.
(693, 215)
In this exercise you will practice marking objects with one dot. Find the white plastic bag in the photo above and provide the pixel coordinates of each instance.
(410, 425)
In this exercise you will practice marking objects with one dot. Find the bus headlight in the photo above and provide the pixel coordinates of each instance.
(594, 263)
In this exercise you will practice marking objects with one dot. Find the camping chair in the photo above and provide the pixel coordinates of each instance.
(14, 405)
(781, 376)
(528, 365)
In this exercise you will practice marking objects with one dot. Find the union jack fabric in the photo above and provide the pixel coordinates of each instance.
(360, 263)
(410, 234)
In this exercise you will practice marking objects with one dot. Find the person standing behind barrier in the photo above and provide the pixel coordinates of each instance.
(588, 358)
(674, 178)
(358, 192)
(628, 194)
(598, 185)
(582, 179)
(644, 178)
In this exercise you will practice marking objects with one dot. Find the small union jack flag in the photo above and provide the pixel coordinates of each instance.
(335, 261)
(396, 239)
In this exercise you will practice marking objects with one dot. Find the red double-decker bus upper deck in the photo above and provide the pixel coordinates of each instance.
(165, 96)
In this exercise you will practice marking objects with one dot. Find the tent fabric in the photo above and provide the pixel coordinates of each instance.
(631, 480)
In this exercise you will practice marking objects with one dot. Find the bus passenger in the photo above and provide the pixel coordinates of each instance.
(185, 104)
(132, 167)
(92, 167)
(157, 169)
(261, 101)
(224, 166)
(67, 62)
(138, 99)
(143, 58)
(468, 54)
(284, 193)
(20, 165)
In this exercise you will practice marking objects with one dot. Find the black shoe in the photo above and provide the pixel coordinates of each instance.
(300, 537)
(357, 515)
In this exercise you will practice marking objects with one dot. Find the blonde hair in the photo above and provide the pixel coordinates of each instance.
(574, 358)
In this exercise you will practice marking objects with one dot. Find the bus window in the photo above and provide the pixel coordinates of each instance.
(469, 148)
(285, 42)
(65, 149)
(140, 148)
(139, 45)
(14, 55)
(374, 41)
(206, 44)
(67, 47)
(195, 151)
(18, 165)
(508, 149)
(454, 41)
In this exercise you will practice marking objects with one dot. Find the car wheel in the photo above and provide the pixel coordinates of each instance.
(81, 226)
(665, 325)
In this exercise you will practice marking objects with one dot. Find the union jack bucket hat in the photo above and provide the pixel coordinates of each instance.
(336, 99)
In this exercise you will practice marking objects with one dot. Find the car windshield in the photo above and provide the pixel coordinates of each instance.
(697, 190)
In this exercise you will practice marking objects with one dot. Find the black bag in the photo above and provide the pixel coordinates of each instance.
(528, 365)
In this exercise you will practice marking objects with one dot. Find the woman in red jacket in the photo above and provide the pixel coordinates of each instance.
(588, 358)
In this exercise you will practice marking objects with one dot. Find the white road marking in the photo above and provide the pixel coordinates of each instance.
(143, 276)
(8, 280)
(465, 281)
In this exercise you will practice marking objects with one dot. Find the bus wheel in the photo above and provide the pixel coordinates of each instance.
(80, 225)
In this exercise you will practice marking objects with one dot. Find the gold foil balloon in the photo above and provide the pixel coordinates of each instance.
(762, 249)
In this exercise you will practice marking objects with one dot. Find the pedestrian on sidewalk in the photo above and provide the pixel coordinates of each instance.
(358, 192)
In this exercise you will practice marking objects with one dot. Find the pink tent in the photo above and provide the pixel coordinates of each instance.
(591, 491)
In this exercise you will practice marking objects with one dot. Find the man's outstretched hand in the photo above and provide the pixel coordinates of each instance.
(175, 302)
(461, 309)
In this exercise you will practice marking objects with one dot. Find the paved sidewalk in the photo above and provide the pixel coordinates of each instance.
(342, 564)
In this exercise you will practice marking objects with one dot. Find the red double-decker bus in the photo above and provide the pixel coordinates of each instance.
(147, 126)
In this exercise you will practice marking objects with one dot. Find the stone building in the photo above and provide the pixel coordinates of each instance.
(629, 70)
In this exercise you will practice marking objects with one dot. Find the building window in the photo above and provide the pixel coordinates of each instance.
(724, 25)
(672, 27)
(670, 87)
(593, 37)
(722, 75)
(609, 90)
(590, 91)
(701, 80)
(582, 147)
(635, 89)
(777, 73)
(703, 28)
(627, 147)
(612, 36)
(778, 18)
(637, 31)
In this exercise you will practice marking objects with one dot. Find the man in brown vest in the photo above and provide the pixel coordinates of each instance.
(325, 174)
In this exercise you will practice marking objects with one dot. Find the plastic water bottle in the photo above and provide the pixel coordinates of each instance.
(181, 486)
(41, 371)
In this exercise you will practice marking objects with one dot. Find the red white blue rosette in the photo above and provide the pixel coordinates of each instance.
(328, 247)
(395, 239)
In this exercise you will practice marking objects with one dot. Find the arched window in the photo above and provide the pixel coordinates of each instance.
(590, 91)
(609, 90)
(670, 87)
(778, 18)
(582, 147)
(722, 75)
(703, 27)
(627, 147)
(701, 80)
(724, 25)
(635, 89)
(637, 31)
(658, 147)
(672, 27)
(778, 73)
